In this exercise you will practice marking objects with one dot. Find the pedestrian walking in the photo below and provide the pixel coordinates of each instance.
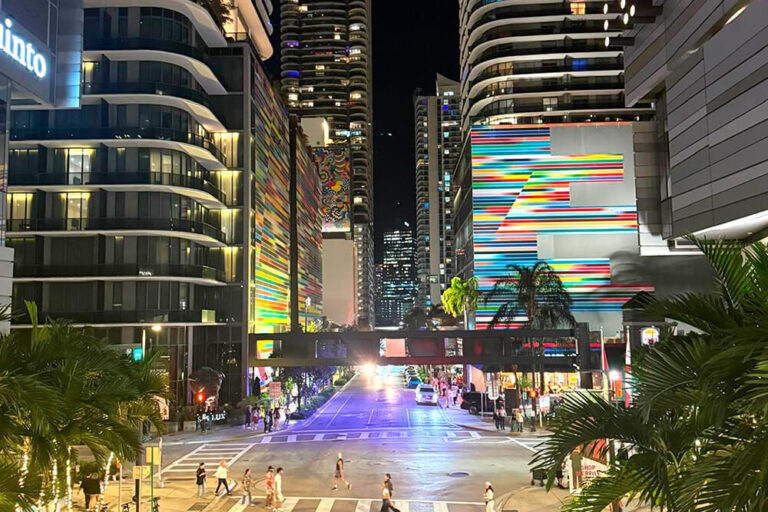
(277, 417)
(269, 487)
(248, 417)
(270, 418)
(454, 393)
(388, 481)
(338, 474)
(279, 498)
(91, 487)
(386, 499)
(488, 497)
(247, 482)
(222, 475)
(200, 480)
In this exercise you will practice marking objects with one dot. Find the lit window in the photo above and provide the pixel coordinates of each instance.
(303, 8)
(337, 36)
(550, 104)
(293, 97)
(578, 8)
(319, 67)
(356, 95)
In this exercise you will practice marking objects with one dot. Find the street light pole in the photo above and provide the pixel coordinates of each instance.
(307, 303)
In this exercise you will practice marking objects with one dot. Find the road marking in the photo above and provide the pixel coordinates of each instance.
(473, 433)
(439, 506)
(369, 501)
(289, 504)
(408, 417)
(363, 506)
(370, 417)
(534, 450)
(325, 505)
(339, 410)
(402, 505)
(322, 409)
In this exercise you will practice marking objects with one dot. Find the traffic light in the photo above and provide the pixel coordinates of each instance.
(138, 354)
(200, 396)
(532, 393)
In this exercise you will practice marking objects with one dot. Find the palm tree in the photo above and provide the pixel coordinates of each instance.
(461, 297)
(696, 434)
(61, 387)
(537, 292)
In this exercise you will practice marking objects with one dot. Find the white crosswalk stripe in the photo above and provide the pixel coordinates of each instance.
(211, 454)
(323, 504)
(358, 435)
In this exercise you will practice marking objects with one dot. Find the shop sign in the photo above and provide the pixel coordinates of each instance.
(22, 51)
(544, 404)
(591, 469)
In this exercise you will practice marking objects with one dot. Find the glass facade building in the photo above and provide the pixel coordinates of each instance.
(398, 276)
(164, 200)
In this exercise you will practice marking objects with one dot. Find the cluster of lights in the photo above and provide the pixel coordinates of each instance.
(625, 17)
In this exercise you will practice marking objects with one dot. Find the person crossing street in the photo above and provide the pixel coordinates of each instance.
(488, 497)
(338, 474)
(386, 499)
(279, 498)
(269, 487)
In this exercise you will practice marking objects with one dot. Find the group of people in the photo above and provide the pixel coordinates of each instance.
(500, 417)
(271, 416)
(449, 387)
(273, 484)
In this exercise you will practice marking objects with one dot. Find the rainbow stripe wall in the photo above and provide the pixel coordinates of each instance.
(521, 192)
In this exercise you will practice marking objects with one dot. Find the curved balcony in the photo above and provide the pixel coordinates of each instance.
(116, 224)
(123, 317)
(145, 43)
(122, 271)
(24, 134)
(158, 88)
(44, 180)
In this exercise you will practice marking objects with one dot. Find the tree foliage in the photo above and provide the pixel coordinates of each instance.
(461, 297)
(696, 434)
(61, 387)
(535, 292)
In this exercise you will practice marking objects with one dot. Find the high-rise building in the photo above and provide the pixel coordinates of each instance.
(398, 276)
(41, 43)
(541, 62)
(438, 143)
(159, 211)
(326, 73)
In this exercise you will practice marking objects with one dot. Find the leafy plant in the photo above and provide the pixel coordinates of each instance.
(696, 434)
(461, 298)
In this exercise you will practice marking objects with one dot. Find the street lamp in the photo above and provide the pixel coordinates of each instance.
(155, 328)
(307, 303)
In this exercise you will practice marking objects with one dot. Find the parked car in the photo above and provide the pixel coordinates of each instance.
(413, 382)
(471, 401)
(426, 394)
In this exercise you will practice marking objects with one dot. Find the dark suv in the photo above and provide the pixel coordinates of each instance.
(471, 402)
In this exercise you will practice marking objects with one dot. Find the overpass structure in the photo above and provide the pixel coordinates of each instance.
(545, 350)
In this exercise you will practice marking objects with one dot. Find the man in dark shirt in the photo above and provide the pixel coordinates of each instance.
(91, 487)
(338, 474)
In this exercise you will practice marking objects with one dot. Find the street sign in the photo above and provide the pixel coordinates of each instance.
(162, 405)
(153, 455)
(140, 472)
(275, 389)
(544, 404)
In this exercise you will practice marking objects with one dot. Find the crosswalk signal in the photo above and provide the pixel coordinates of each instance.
(200, 397)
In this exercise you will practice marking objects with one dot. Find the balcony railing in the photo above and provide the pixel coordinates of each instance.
(122, 224)
(17, 178)
(119, 270)
(20, 134)
(158, 88)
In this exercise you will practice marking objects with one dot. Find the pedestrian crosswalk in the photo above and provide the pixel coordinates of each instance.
(211, 454)
(324, 504)
(384, 435)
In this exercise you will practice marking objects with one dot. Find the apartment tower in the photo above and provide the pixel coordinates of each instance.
(158, 212)
(326, 73)
(438, 143)
(398, 275)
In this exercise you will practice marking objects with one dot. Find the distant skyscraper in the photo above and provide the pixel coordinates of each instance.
(326, 72)
(398, 276)
(538, 61)
(438, 141)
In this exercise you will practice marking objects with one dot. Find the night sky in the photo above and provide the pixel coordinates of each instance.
(412, 41)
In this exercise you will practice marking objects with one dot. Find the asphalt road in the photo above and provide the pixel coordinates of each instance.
(377, 426)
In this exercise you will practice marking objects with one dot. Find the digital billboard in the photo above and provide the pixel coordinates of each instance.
(335, 177)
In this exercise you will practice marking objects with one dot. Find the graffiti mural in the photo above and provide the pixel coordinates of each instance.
(335, 177)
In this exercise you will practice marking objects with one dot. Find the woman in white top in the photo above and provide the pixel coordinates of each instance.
(488, 497)
(222, 474)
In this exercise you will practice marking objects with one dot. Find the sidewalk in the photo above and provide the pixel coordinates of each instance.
(463, 419)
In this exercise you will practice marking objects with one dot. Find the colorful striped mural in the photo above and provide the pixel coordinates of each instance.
(521, 191)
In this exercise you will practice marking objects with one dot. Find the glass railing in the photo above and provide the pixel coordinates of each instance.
(20, 134)
(158, 88)
(113, 270)
(122, 224)
(21, 178)
(149, 316)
